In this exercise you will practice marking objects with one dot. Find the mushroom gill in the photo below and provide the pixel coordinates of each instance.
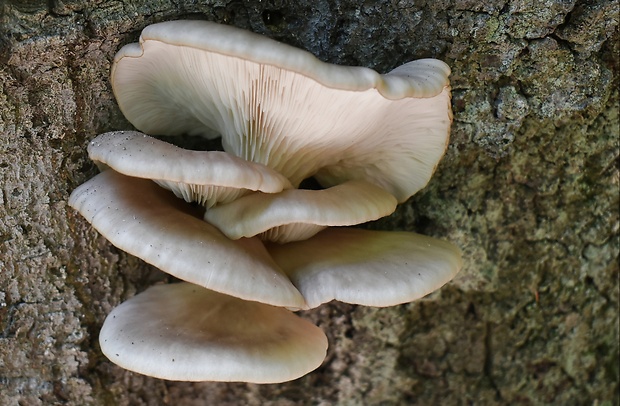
(280, 106)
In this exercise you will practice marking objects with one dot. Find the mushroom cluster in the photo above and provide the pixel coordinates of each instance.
(249, 244)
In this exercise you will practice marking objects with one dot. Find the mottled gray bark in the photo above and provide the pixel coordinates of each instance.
(528, 190)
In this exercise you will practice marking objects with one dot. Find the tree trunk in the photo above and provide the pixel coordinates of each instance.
(529, 189)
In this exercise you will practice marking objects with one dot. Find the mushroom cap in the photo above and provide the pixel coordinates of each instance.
(296, 214)
(372, 268)
(280, 106)
(206, 177)
(183, 332)
(147, 221)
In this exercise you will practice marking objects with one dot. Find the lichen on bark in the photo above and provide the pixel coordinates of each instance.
(528, 189)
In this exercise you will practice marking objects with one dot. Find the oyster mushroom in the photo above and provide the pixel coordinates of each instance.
(183, 332)
(206, 177)
(371, 140)
(212, 177)
(296, 214)
(149, 222)
(280, 106)
(371, 268)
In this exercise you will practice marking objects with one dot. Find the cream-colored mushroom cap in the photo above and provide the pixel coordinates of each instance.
(299, 214)
(206, 177)
(280, 106)
(372, 268)
(183, 332)
(149, 222)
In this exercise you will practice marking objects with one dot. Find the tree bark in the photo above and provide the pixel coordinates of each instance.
(529, 189)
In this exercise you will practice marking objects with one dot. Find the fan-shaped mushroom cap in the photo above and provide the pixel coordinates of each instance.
(372, 268)
(299, 214)
(280, 106)
(206, 177)
(147, 221)
(186, 333)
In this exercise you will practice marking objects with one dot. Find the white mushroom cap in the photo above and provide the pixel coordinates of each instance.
(186, 333)
(296, 214)
(147, 221)
(206, 177)
(280, 106)
(372, 268)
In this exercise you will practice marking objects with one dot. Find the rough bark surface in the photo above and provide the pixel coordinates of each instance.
(529, 189)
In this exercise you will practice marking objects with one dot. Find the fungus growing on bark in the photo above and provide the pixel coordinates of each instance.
(212, 177)
(183, 332)
(375, 268)
(371, 268)
(370, 140)
(147, 221)
(206, 177)
(296, 214)
(280, 106)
